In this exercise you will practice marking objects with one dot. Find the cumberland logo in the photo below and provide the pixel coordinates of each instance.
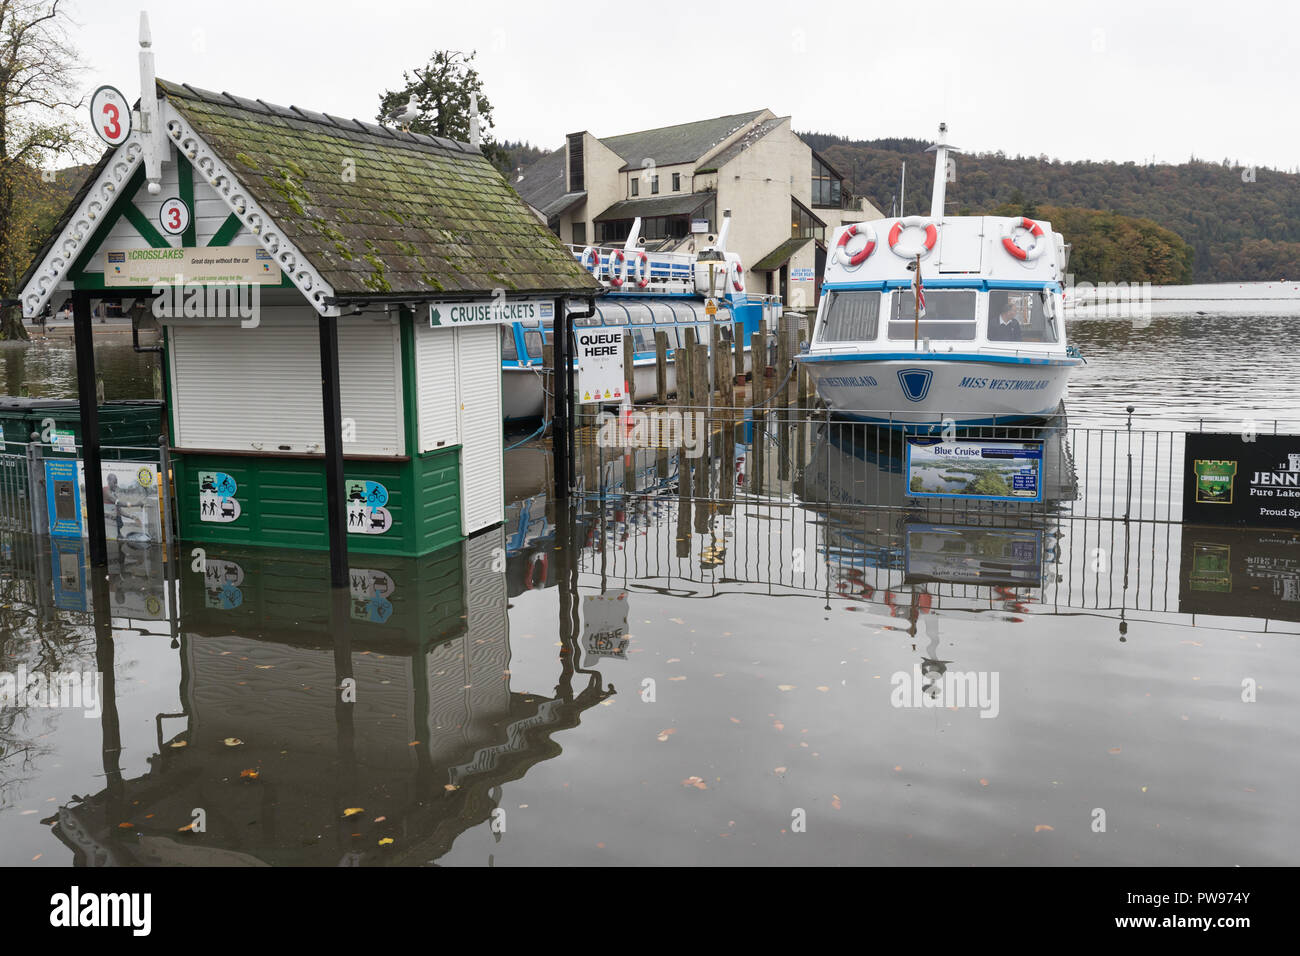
(1214, 481)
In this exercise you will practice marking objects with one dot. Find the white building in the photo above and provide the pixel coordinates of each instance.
(783, 196)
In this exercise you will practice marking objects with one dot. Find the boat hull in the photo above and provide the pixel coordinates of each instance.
(930, 389)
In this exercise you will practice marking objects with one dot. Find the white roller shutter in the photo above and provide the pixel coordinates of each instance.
(370, 384)
(478, 363)
(436, 384)
(259, 389)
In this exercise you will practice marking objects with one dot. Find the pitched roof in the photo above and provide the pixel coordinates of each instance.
(684, 143)
(739, 146)
(780, 255)
(543, 185)
(674, 204)
(425, 215)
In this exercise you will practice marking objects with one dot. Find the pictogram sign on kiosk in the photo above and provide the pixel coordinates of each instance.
(600, 365)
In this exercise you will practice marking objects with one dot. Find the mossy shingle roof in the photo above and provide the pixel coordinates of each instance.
(424, 215)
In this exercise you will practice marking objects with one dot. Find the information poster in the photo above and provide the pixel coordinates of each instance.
(1242, 479)
(985, 470)
(956, 554)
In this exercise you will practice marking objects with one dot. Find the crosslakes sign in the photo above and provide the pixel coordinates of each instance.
(491, 312)
(206, 265)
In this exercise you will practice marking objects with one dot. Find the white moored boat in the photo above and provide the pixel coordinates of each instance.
(990, 346)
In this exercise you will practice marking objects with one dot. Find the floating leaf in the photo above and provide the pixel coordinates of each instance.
(248, 774)
(234, 742)
(785, 686)
(696, 782)
(353, 811)
(180, 743)
(1042, 826)
(386, 841)
(665, 734)
(835, 801)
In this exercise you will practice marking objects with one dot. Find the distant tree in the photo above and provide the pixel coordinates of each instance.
(443, 88)
(38, 70)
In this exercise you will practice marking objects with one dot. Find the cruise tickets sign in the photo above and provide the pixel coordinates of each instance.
(497, 311)
(1242, 479)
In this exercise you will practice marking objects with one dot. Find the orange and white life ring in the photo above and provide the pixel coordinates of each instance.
(1034, 251)
(853, 260)
(641, 269)
(919, 222)
(738, 277)
(617, 268)
(591, 259)
(531, 580)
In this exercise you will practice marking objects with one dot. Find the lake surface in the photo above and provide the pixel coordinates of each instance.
(752, 679)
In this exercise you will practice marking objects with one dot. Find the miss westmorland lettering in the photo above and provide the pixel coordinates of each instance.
(75, 909)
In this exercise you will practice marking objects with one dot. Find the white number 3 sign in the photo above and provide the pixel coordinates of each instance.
(174, 216)
(110, 114)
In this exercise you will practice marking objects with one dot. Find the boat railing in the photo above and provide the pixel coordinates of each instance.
(665, 272)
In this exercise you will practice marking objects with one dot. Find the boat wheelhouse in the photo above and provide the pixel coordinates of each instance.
(985, 343)
(643, 293)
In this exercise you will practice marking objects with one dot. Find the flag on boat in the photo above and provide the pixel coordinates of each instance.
(919, 291)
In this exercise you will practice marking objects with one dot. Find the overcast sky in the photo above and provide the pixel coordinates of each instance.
(1127, 80)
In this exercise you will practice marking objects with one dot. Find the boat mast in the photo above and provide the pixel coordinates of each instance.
(902, 190)
(941, 149)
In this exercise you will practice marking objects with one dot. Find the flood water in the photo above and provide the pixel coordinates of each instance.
(774, 673)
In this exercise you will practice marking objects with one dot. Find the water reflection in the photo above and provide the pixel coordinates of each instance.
(314, 727)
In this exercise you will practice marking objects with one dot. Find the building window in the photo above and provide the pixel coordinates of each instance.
(826, 185)
(636, 186)
(803, 224)
(575, 163)
(654, 185)
(579, 233)
(677, 182)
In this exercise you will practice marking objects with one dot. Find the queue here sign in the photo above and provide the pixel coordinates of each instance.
(600, 365)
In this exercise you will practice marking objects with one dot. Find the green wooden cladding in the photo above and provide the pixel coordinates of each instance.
(286, 597)
(282, 502)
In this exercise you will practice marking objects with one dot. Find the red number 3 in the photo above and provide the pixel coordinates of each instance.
(112, 129)
(175, 217)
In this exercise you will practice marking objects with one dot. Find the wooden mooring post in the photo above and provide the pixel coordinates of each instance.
(661, 367)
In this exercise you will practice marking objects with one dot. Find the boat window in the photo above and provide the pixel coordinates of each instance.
(651, 313)
(533, 343)
(644, 340)
(589, 320)
(850, 316)
(685, 312)
(1027, 320)
(509, 353)
(949, 315)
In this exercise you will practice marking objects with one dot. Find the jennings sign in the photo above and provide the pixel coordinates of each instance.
(1228, 480)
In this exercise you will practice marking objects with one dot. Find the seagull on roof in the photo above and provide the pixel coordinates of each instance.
(402, 116)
